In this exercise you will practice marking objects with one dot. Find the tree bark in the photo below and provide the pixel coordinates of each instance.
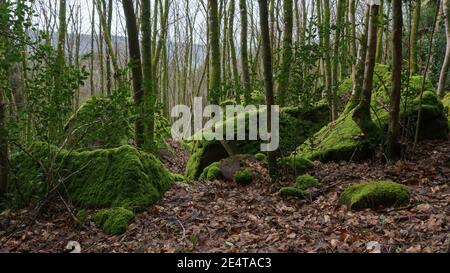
(446, 65)
(136, 71)
(283, 84)
(397, 47)
(362, 114)
(413, 37)
(244, 52)
(268, 73)
(214, 39)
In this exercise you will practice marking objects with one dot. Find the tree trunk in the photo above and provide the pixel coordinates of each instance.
(136, 71)
(149, 96)
(358, 78)
(283, 84)
(244, 52)
(234, 65)
(446, 65)
(214, 39)
(397, 58)
(268, 73)
(413, 37)
(336, 58)
(327, 45)
(362, 114)
(380, 33)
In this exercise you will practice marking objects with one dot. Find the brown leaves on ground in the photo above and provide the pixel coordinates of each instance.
(223, 217)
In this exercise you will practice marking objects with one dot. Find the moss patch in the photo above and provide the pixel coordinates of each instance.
(106, 122)
(306, 182)
(102, 178)
(261, 157)
(243, 176)
(298, 163)
(114, 221)
(374, 194)
(292, 192)
(211, 172)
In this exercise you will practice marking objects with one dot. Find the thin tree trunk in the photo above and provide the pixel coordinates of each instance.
(446, 65)
(214, 32)
(283, 84)
(362, 114)
(244, 51)
(136, 71)
(413, 37)
(268, 73)
(397, 58)
(380, 33)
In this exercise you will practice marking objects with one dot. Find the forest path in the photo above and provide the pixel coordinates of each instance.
(223, 217)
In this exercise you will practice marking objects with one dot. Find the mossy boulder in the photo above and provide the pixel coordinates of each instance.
(296, 125)
(342, 140)
(243, 176)
(306, 182)
(114, 221)
(108, 122)
(101, 178)
(292, 192)
(375, 194)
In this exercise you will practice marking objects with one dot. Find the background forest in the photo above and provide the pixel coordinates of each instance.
(86, 92)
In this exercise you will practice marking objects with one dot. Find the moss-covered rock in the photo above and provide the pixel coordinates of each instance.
(244, 176)
(296, 125)
(101, 178)
(374, 194)
(298, 163)
(342, 140)
(306, 182)
(446, 103)
(107, 122)
(114, 221)
(292, 192)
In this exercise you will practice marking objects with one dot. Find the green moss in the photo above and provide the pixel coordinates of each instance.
(298, 163)
(82, 216)
(296, 125)
(178, 178)
(101, 178)
(292, 192)
(114, 221)
(306, 182)
(106, 122)
(374, 194)
(261, 157)
(211, 172)
(243, 176)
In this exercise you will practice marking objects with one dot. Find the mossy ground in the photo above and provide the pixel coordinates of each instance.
(114, 221)
(300, 187)
(306, 182)
(292, 192)
(374, 194)
(101, 178)
(243, 176)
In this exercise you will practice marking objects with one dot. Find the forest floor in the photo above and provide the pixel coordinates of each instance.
(223, 217)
